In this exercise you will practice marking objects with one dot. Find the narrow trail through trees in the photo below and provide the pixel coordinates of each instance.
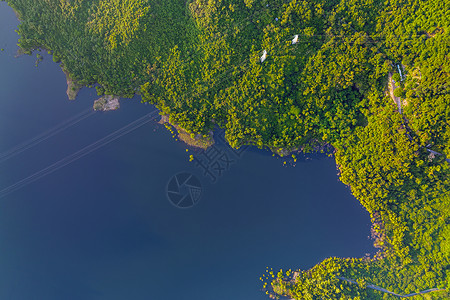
(377, 288)
(391, 88)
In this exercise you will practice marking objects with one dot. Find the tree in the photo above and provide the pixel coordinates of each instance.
(396, 77)
(399, 92)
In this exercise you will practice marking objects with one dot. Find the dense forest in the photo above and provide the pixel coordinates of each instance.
(324, 81)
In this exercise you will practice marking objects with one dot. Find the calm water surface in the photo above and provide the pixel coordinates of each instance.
(102, 227)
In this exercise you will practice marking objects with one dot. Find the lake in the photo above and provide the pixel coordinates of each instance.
(85, 210)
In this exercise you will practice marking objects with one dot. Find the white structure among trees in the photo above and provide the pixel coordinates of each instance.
(400, 72)
(264, 56)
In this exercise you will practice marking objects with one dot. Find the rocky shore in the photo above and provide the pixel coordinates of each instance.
(72, 87)
(193, 140)
(106, 103)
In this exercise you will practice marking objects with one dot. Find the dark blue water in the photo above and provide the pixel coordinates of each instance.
(102, 227)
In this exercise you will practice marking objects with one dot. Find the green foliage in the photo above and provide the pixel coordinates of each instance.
(198, 62)
(399, 92)
(56, 58)
(113, 43)
(100, 90)
(396, 77)
(117, 21)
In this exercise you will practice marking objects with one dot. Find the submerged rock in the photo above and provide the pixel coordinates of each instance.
(107, 102)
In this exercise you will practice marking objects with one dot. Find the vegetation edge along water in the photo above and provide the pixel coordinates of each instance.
(199, 63)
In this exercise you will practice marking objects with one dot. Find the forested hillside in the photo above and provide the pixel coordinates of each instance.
(199, 63)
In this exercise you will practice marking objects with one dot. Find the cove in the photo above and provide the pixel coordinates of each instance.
(102, 227)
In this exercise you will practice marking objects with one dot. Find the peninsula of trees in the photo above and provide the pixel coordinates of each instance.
(199, 63)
